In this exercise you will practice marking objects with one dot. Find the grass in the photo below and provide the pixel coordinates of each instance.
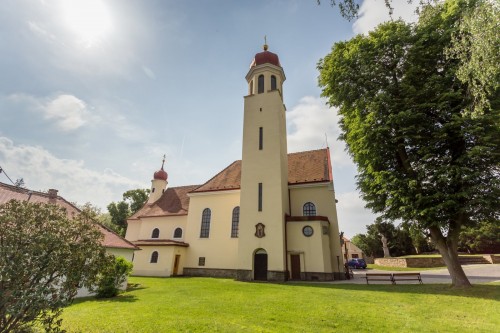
(223, 305)
(402, 269)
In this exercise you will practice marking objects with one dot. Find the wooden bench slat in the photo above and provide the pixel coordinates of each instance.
(393, 277)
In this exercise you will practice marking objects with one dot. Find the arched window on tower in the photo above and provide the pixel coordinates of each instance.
(205, 223)
(273, 82)
(235, 222)
(154, 257)
(309, 209)
(260, 84)
(178, 233)
(155, 233)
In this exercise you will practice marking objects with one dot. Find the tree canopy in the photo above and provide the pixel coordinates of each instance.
(421, 158)
(45, 256)
(133, 200)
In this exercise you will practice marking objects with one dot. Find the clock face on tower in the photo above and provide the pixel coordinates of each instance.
(307, 231)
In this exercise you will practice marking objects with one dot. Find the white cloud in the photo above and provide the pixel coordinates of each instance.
(68, 112)
(41, 170)
(374, 12)
(308, 122)
(352, 215)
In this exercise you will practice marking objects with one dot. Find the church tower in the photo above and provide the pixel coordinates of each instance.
(264, 173)
(158, 184)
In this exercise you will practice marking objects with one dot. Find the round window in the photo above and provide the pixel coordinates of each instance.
(307, 231)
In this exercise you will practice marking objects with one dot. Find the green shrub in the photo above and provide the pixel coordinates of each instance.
(112, 277)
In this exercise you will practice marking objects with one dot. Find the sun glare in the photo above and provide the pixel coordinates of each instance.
(89, 19)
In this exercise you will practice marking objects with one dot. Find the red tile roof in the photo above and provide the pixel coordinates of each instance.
(168, 242)
(227, 179)
(174, 202)
(311, 166)
(9, 192)
(304, 167)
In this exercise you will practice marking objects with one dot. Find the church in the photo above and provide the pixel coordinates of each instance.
(270, 216)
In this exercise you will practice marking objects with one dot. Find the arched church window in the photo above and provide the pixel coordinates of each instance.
(178, 233)
(154, 257)
(235, 222)
(273, 82)
(205, 223)
(309, 209)
(260, 84)
(155, 233)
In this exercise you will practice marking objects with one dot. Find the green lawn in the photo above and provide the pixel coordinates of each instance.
(224, 305)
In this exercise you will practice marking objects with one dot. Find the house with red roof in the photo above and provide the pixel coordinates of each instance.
(114, 244)
(270, 216)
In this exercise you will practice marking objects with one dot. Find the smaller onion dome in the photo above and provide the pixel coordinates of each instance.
(161, 174)
(265, 57)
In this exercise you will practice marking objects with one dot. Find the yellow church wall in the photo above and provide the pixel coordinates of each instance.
(165, 264)
(133, 229)
(220, 250)
(323, 197)
(314, 250)
(166, 225)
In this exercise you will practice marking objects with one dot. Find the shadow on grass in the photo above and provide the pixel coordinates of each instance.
(485, 291)
(117, 299)
(135, 286)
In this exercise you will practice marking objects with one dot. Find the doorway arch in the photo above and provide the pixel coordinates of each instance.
(260, 265)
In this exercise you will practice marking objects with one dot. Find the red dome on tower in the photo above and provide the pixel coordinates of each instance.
(265, 57)
(161, 174)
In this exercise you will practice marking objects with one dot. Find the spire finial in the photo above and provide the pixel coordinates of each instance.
(265, 43)
(163, 162)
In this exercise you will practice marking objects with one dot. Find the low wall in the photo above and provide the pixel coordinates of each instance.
(409, 262)
(432, 262)
(492, 258)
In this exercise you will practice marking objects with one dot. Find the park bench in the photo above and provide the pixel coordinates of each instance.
(380, 277)
(407, 276)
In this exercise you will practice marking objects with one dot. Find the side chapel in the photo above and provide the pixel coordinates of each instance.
(269, 216)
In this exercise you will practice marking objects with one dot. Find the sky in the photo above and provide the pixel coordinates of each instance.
(94, 92)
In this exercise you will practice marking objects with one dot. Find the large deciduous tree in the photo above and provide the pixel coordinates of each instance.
(420, 157)
(45, 256)
(133, 200)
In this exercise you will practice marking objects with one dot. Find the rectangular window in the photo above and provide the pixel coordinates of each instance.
(260, 197)
(201, 261)
(261, 138)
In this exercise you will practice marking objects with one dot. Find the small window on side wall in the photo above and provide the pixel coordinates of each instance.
(154, 257)
(235, 222)
(155, 233)
(205, 223)
(201, 261)
(309, 209)
(178, 233)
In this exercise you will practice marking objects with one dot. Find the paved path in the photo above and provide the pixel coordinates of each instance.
(483, 273)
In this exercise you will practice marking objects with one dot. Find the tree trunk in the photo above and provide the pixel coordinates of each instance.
(447, 247)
